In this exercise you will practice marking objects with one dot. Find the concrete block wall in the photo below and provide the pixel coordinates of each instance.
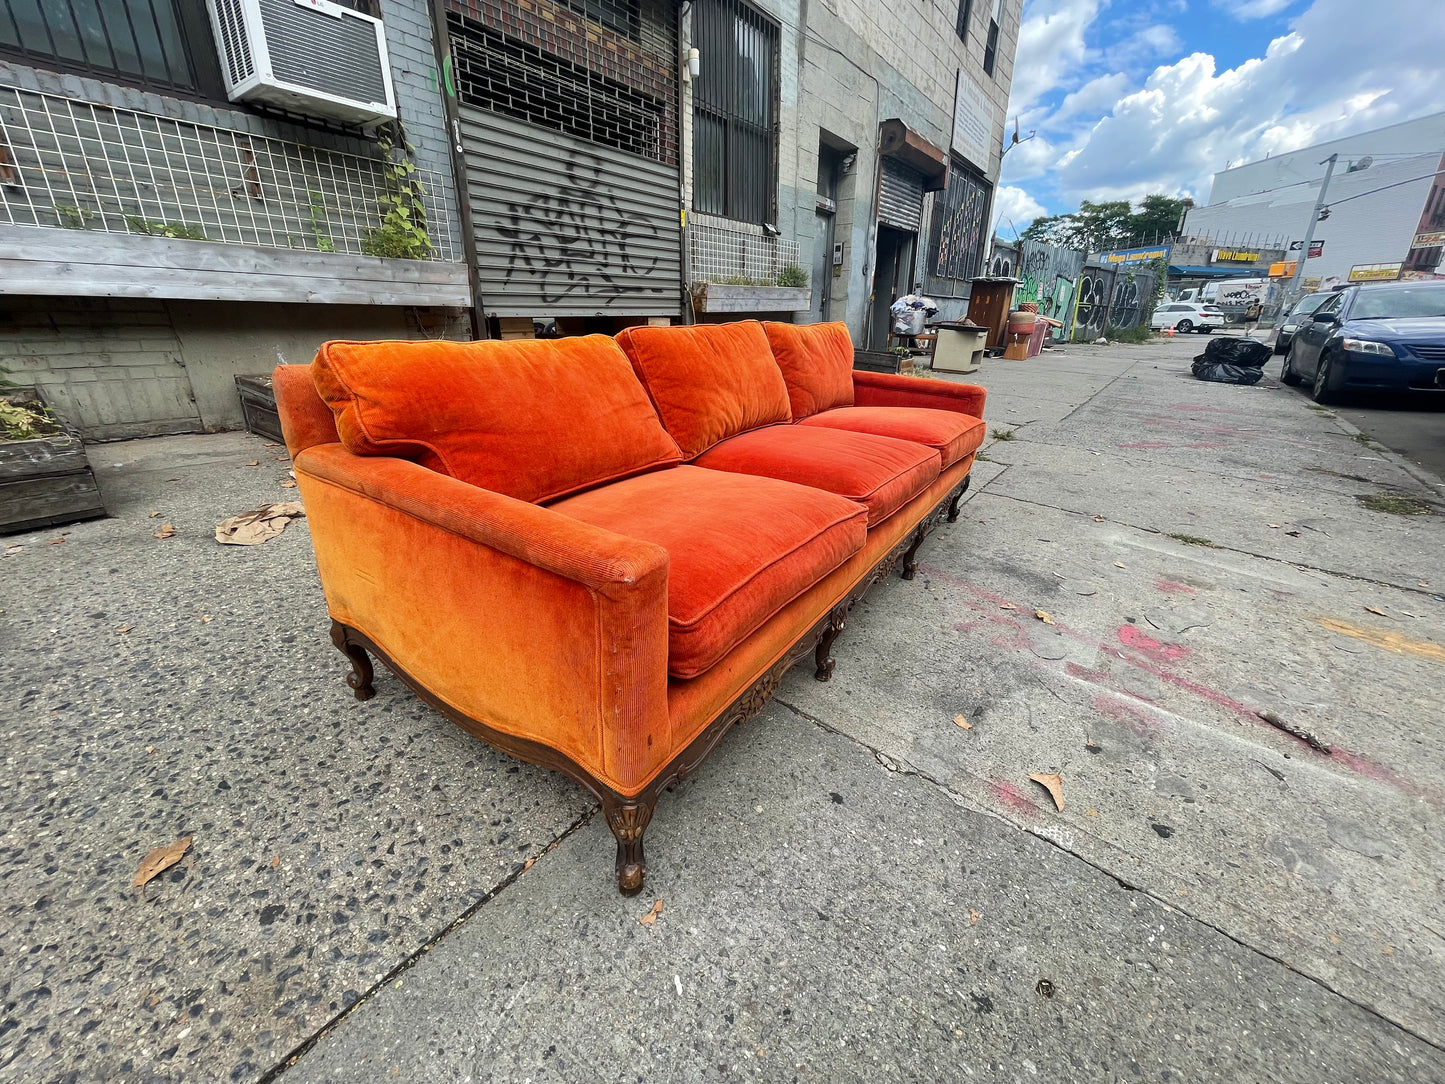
(120, 368)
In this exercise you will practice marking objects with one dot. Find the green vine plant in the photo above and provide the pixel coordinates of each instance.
(317, 214)
(151, 228)
(72, 216)
(402, 234)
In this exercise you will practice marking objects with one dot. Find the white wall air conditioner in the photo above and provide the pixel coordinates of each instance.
(310, 57)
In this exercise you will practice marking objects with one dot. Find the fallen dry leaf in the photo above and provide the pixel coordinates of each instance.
(254, 463)
(1373, 610)
(55, 541)
(1422, 583)
(13, 550)
(155, 513)
(1052, 782)
(974, 916)
(206, 618)
(1092, 812)
(1098, 519)
(283, 458)
(272, 444)
(275, 861)
(1007, 606)
(162, 858)
(125, 628)
(1044, 616)
(259, 525)
(961, 721)
(651, 916)
(1120, 564)
(166, 531)
(1273, 526)
(288, 485)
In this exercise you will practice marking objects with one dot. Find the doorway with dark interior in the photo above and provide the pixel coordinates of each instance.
(892, 278)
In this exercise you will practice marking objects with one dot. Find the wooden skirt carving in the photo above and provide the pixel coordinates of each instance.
(628, 816)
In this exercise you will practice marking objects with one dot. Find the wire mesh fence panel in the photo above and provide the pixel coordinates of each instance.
(723, 254)
(85, 166)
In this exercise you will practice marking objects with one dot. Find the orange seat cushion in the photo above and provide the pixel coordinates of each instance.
(951, 434)
(532, 419)
(708, 381)
(880, 473)
(740, 548)
(817, 364)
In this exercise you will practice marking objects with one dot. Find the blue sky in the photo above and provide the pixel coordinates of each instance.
(1129, 97)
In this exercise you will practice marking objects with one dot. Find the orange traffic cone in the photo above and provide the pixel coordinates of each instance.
(1169, 331)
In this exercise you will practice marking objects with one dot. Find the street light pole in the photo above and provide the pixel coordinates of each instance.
(1299, 267)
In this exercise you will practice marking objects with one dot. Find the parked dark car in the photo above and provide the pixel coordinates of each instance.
(1378, 337)
(1298, 314)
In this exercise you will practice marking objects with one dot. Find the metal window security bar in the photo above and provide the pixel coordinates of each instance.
(85, 166)
(734, 111)
(960, 215)
(505, 75)
(723, 252)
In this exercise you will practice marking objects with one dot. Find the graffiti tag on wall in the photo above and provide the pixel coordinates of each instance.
(578, 239)
(1048, 274)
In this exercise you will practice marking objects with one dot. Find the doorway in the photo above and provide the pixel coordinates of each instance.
(830, 172)
(892, 278)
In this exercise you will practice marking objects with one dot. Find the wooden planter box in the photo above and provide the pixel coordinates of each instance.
(258, 407)
(715, 297)
(45, 481)
(881, 361)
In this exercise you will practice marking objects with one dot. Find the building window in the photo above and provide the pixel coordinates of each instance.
(960, 220)
(734, 111)
(965, 9)
(990, 51)
(154, 43)
(509, 76)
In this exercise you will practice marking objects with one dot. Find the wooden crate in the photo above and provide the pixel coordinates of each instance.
(258, 406)
(46, 481)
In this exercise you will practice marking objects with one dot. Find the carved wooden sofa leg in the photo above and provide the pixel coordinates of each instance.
(957, 497)
(361, 673)
(821, 657)
(910, 566)
(628, 819)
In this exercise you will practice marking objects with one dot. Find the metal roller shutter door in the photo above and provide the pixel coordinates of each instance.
(569, 228)
(900, 196)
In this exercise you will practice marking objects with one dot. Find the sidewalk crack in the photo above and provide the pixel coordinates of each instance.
(964, 802)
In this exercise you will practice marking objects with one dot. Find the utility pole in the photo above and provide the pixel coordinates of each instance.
(1299, 267)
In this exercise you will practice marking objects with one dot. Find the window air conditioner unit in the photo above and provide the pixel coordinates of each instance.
(310, 57)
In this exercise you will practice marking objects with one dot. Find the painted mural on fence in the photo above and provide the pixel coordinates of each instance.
(1048, 274)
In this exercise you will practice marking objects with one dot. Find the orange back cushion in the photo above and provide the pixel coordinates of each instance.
(708, 381)
(533, 419)
(817, 364)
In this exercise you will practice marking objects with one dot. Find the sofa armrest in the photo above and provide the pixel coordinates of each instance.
(533, 623)
(889, 390)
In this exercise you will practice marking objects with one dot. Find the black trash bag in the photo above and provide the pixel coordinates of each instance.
(1238, 352)
(1223, 372)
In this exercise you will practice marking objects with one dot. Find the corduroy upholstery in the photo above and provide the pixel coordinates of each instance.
(708, 381)
(739, 547)
(879, 473)
(817, 364)
(533, 419)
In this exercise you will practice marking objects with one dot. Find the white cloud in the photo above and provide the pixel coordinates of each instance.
(1014, 205)
(1051, 45)
(1189, 119)
(1244, 10)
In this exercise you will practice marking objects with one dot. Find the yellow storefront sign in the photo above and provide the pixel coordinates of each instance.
(1375, 272)
(1235, 255)
(1429, 240)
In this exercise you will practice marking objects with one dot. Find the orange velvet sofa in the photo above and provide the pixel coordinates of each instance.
(599, 554)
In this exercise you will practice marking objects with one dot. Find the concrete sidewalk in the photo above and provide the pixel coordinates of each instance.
(854, 887)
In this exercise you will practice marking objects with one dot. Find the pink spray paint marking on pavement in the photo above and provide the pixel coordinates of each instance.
(1136, 638)
(1010, 795)
(1173, 587)
(991, 606)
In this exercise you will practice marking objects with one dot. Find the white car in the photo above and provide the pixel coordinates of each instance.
(1186, 316)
